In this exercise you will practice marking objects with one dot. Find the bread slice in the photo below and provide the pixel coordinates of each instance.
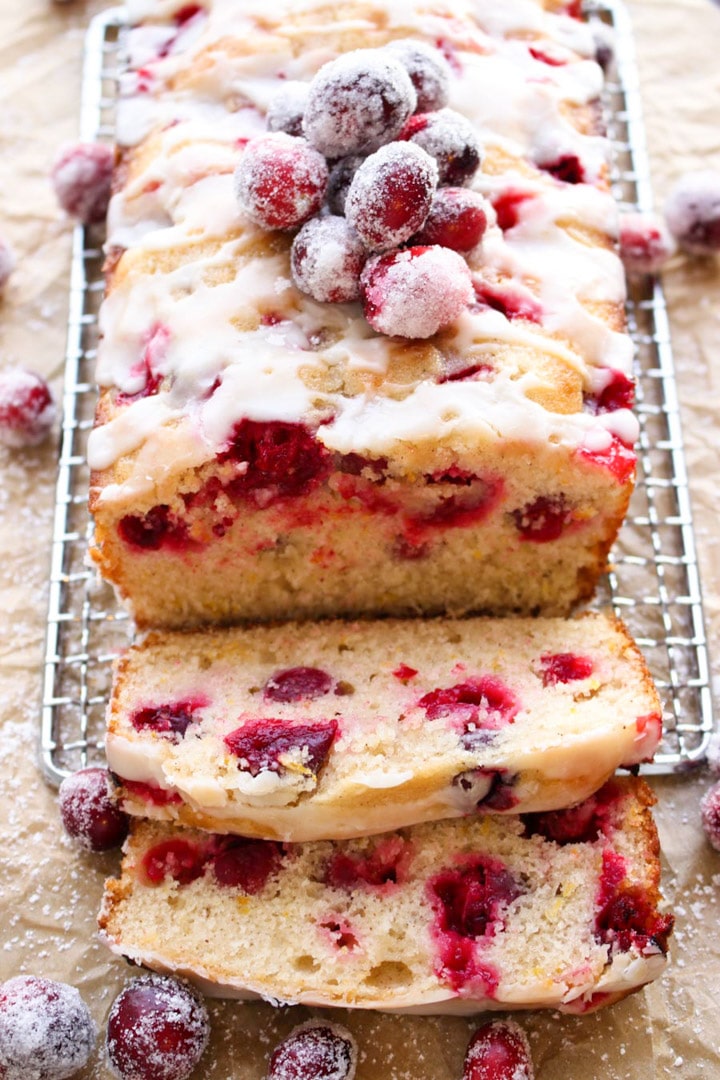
(558, 910)
(330, 730)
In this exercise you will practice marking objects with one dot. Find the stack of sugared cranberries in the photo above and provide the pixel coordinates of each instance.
(371, 167)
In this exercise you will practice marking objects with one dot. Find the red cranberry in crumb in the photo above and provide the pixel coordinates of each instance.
(27, 410)
(157, 1029)
(315, 1050)
(280, 180)
(285, 111)
(429, 72)
(645, 243)
(7, 263)
(282, 459)
(451, 140)
(339, 181)
(177, 859)
(692, 212)
(266, 744)
(46, 1030)
(471, 899)
(298, 684)
(326, 259)
(81, 176)
(390, 195)
(88, 813)
(710, 814)
(498, 1050)
(241, 863)
(457, 220)
(170, 720)
(564, 668)
(415, 292)
(544, 519)
(358, 102)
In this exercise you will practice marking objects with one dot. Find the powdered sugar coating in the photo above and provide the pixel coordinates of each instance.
(451, 140)
(7, 262)
(315, 1050)
(390, 195)
(429, 72)
(645, 243)
(27, 410)
(692, 212)
(88, 813)
(158, 1029)
(415, 292)
(458, 219)
(46, 1030)
(285, 111)
(710, 814)
(327, 258)
(280, 180)
(81, 176)
(498, 1050)
(358, 102)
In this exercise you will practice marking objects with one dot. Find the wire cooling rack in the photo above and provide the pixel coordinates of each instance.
(653, 583)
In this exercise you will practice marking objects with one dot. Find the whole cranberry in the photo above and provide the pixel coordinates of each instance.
(457, 220)
(280, 180)
(27, 410)
(157, 1029)
(315, 1050)
(429, 72)
(692, 212)
(415, 292)
(358, 102)
(46, 1030)
(89, 814)
(326, 259)
(81, 176)
(449, 138)
(498, 1050)
(390, 195)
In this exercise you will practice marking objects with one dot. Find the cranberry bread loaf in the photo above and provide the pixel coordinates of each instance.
(554, 910)
(333, 729)
(457, 439)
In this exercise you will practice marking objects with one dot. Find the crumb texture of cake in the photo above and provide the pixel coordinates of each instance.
(259, 453)
(337, 729)
(554, 910)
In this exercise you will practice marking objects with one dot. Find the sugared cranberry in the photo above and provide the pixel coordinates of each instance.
(280, 180)
(692, 212)
(390, 195)
(27, 410)
(470, 900)
(564, 668)
(617, 393)
(386, 865)
(567, 167)
(7, 263)
(429, 72)
(283, 459)
(88, 813)
(415, 292)
(645, 243)
(169, 720)
(451, 140)
(81, 176)
(339, 181)
(260, 745)
(241, 863)
(457, 220)
(358, 102)
(46, 1030)
(315, 1050)
(498, 1050)
(544, 519)
(298, 684)
(286, 109)
(157, 1029)
(180, 860)
(710, 815)
(326, 259)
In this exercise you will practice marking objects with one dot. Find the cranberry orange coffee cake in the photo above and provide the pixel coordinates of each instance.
(331, 729)
(363, 346)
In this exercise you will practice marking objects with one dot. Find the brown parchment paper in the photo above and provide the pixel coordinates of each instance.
(49, 891)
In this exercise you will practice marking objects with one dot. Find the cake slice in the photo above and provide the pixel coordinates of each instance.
(555, 910)
(260, 453)
(334, 729)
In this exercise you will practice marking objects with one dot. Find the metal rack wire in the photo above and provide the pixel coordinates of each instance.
(653, 583)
